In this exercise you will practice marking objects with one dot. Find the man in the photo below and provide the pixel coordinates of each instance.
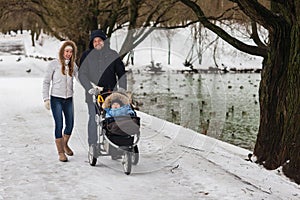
(103, 67)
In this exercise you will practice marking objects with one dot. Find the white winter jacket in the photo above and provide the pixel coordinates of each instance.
(61, 85)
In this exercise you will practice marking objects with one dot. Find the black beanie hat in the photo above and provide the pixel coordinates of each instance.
(117, 101)
(96, 33)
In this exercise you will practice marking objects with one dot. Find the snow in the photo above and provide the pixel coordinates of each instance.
(175, 162)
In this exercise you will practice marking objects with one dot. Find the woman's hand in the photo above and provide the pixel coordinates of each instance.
(47, 104)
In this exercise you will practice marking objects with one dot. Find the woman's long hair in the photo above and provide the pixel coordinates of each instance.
(73, 58)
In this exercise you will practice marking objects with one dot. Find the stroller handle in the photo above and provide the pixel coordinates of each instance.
(95, 90)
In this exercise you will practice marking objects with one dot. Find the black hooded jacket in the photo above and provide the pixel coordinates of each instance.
(101, 67)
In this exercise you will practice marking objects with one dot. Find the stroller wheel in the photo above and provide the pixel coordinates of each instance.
(135, 155)
(92, 155)
(127, 162)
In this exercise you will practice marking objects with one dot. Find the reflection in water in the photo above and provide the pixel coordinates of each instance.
(223, 106)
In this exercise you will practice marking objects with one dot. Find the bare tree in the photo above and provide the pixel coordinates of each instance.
(278, 140)
(74, 19)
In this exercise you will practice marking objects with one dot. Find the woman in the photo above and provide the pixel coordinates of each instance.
(60, 74)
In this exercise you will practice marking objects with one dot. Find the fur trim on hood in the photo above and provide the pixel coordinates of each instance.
(73, 58)
(115, 96)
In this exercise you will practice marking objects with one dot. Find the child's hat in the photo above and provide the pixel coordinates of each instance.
(117, 101)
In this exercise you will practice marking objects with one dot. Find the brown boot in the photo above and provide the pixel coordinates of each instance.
(60, 149)
(67, 149)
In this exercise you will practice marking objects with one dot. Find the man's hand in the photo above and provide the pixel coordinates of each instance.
(95, 90)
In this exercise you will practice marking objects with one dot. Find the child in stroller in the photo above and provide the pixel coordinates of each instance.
(121, 121)
(117, 104)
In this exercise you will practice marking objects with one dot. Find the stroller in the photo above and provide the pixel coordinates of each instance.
(118, 136)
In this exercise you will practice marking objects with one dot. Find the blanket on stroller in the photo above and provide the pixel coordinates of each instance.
(123, 125)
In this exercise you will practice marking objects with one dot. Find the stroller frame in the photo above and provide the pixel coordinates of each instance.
(116, 146)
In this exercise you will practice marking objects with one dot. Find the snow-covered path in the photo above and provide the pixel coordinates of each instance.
(175, 163)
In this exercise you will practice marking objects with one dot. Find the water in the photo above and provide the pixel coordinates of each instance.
(223, 106)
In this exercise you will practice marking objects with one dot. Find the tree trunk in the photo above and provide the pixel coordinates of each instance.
(278, 140)
(32, 38)
(292, 168)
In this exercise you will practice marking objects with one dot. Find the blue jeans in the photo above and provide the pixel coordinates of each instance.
(60, 106)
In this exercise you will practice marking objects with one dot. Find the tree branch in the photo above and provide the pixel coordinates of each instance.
(221, 16)
(257, 12)
(255, 36)
(253, 50)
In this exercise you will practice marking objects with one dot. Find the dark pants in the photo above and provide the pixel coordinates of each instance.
(60, 106)
(92, 126)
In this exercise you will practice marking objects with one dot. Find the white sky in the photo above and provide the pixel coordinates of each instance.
(175, 163)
